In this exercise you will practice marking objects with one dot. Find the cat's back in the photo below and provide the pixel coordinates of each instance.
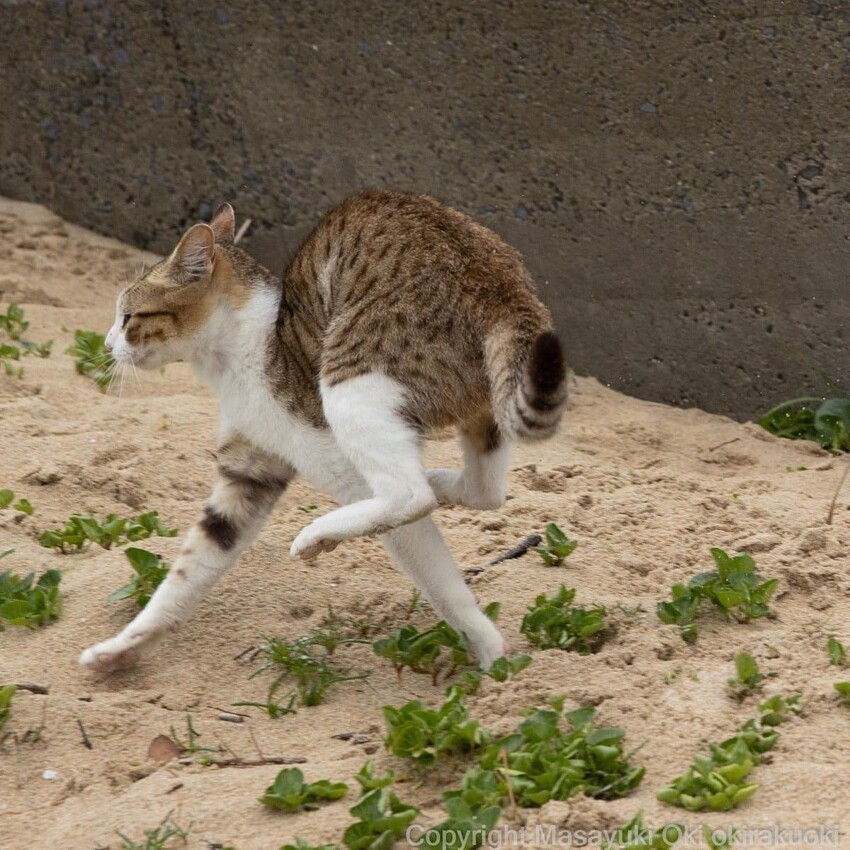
(407, 243)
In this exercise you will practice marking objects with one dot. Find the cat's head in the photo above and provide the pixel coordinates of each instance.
(162, 317)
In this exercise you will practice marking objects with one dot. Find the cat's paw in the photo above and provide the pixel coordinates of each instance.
(309, 543)
(109, 656)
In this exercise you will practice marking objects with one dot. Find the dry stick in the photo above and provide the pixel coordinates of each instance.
(727, 443)
(511, 797)
(832, 504)
(86, 741)
(243, 229)
(33, 688)
(240, 762)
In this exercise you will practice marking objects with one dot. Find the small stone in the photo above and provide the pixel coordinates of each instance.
(649, 108)
(50, 774)
(762, 542)
(812, 540)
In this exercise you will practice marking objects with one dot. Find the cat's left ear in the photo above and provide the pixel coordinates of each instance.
(192, 259)
(223, 224)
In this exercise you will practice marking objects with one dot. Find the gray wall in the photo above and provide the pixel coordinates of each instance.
(676, 173)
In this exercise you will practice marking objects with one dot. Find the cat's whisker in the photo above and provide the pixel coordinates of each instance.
(136, 374)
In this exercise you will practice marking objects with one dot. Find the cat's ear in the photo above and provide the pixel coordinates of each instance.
(192, 260)
(223, 224)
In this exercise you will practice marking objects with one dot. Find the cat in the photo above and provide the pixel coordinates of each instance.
(396, 315)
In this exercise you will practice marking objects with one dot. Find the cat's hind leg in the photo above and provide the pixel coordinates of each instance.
(481, 482)
(421, 552)
(249, 484)
(366, 416)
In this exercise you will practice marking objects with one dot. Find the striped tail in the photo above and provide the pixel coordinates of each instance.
(529, 386)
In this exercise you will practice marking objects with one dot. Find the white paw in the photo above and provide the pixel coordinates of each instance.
(310, 543)
(447, 485)
(114, 654)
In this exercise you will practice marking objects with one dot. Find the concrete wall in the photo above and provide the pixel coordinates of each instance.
(676, 172)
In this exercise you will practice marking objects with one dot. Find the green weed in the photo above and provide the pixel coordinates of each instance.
(79, 531)
(290, 793)
(164, 836)
(500, 670)
(824, 421)
(556, 546)
(6, 694)
(734, 587)
(424, 734)
(297, 661)
(91, 357)
(13, 324)
(149, 572)
(636, 835)
(835, 650)
(843, 691)
(557, 623)
(22, 505)
(26, 602)
(718, 781)
(382, 819)
(747, 677)
(437, 651)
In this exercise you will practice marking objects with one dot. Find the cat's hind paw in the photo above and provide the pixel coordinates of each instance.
(109, 656)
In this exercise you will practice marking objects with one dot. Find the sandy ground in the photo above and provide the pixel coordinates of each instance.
(646, 489)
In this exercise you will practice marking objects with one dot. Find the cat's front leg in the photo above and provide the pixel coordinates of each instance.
(249, 483)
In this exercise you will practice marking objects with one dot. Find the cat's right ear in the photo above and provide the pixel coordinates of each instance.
(223, 224)
(192, 259)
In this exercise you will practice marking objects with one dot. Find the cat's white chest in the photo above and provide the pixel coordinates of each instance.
(247, 405)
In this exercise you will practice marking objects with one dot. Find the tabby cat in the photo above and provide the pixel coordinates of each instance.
(396, 315)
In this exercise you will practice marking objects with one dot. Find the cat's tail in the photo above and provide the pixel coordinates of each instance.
(528, 383)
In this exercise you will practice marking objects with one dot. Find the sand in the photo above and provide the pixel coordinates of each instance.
(646, 489)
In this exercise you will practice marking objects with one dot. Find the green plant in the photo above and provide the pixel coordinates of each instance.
(22, 505)
(718, 781)
(160, 838)
(297, 661)
(301, 844)
(424, 734)
(13, 324)
(382, 817)
(843, 691)
(734, 587)
(556, 623)
(149, 572)
(6, 694)
(747, 676)
(423, 652)
(556, 546)
(835, 650)
(24, 602)
(500, 670)
(636, 835)
(112, 531)
(825, 421)
(473, 810)
(190, 745)
(92, 358)
(547, 763)
(290, 793)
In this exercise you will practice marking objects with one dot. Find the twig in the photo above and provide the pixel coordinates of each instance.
(240, 762)
(86, 741)
(511, 797)
(244, 651)
(33, 688)
(257, 746)
(832, 504)
(726, 443)
(519, 550)
(243, 229)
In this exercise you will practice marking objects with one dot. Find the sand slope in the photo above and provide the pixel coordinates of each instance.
(646, 489)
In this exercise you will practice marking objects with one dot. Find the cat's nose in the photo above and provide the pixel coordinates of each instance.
(107, 343)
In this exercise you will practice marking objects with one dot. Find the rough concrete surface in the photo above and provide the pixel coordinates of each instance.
(675, 172)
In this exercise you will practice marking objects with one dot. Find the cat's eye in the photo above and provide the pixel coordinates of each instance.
(126, 319)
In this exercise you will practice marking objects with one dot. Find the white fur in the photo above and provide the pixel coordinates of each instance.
(369, 461)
